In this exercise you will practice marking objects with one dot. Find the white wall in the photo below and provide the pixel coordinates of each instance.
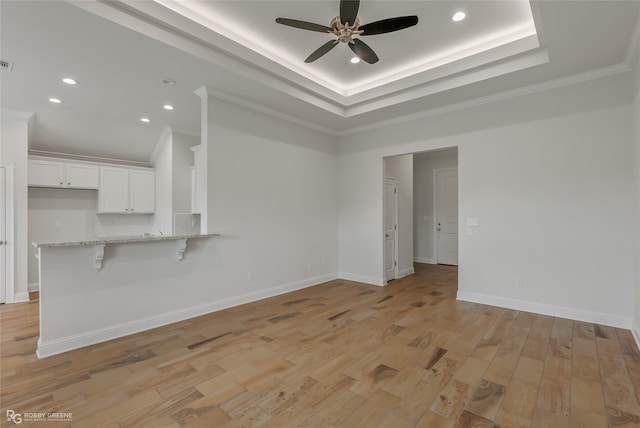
(272, 193)
(14, 143)
(423, 210)
(549, 175)
(401, 169)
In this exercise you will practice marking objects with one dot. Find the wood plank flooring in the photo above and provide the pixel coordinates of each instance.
(340, 354)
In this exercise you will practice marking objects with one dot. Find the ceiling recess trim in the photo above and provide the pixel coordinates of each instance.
(159, 20)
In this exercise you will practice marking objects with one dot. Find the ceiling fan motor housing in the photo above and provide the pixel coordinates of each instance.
(345, 32)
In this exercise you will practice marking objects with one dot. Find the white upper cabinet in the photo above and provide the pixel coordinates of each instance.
(81, 175)
(114, 190)
(142, 191)
(126, 191)
(45, 173)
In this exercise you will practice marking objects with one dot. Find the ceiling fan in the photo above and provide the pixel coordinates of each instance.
(347, 25)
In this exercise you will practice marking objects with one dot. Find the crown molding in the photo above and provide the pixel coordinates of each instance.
(514, 93)
(61, 155)
(207, 91)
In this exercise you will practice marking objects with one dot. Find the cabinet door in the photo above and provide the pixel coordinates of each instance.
(114, 190)
(45, 173)
(142, 191)
(81, 176)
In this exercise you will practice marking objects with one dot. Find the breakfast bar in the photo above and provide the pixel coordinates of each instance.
(99, 289)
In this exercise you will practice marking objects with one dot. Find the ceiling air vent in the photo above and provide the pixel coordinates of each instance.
(6, 65)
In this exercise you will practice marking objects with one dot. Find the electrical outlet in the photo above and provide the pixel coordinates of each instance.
(472, 221)
(249, 276)
(519, 282)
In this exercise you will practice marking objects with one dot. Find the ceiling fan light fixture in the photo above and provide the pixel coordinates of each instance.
(459, 16)
(346, 26)
(354, 60)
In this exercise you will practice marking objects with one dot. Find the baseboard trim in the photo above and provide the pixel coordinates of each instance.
(544, 309)
(427, 260)
(406, 272)
(635, 331)
(58, 346)
(32, 288)
(20, 297)
(362, 278)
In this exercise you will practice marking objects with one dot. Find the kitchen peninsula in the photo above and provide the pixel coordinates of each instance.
(96, 290)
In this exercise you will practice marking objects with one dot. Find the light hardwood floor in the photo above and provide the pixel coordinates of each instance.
(339, 354)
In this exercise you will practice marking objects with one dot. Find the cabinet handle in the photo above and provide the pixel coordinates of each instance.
(61, 183)
(68, 184)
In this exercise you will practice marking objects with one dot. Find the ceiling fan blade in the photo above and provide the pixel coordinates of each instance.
(349, 11)
(304, 25)
(363, 51)
(321, 51)
(388, 25)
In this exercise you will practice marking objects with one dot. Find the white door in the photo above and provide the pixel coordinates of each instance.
(3, 236)
(390, 229)
(446, 203)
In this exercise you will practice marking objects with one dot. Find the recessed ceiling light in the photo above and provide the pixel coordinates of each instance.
(70, 81)
(459, 16)
(167, 107)
(355, 60)
(145, 119)
(55, 100)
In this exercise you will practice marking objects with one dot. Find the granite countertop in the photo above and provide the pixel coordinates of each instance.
(121, 240)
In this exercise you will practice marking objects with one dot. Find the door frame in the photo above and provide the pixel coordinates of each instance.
(435, 210)
(395, 227)
(9, 232)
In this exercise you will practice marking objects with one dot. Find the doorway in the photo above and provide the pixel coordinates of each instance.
(425, 217)
(446, 216)
(390, 229)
